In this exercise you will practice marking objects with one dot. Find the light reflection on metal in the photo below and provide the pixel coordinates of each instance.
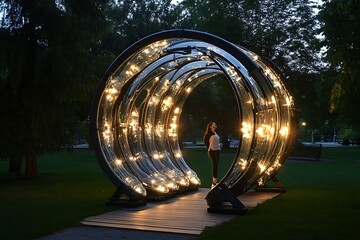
(137, 107)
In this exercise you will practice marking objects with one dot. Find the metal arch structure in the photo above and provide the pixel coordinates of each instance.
(137, 107)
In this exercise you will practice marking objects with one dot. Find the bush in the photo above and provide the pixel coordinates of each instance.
(347, 133)
(346, 142)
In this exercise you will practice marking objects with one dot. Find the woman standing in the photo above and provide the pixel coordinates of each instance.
(212, 142)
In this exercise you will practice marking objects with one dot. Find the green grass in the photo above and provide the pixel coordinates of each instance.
(198, 160)
(322, 199)
(322, 202)
(69, 188)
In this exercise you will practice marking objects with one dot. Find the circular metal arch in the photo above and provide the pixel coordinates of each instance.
(137, 107)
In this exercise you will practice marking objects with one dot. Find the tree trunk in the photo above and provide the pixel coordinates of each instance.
(15, 165)
(31, 165)
(225, 140)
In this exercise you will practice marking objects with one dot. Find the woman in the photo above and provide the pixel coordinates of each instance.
(212, 142)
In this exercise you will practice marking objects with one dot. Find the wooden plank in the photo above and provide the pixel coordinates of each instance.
(178, 221)
(151, 227)
(159, 224)
(183, 214)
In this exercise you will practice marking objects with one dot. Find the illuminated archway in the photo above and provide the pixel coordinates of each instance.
(137, 108)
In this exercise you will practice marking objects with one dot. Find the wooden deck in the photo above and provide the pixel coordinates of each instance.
(185, 214)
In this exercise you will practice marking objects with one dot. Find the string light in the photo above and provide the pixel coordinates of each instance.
(246, 130)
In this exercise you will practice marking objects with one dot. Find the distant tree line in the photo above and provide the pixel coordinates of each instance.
(53, 53)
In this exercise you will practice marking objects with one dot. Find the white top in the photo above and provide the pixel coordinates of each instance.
(214, 142)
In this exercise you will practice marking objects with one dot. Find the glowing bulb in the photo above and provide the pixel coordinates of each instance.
(273, 101)
(134, 67)
(159, 129)
(166, 103)
(148, 128)
(272, 130)
(109, 98)
(276, 84)
(260, 182)
(112, 91)
(284, 131)
(172, 186)
(184, 182)
(246, 130)
(134, 113)
(267, 71)
(262, 167)
(139, 190)
(242, 163)
(260, 131)
(107, 132)
(288, 101)
(162, 188)
(154, 100)
(194, 180)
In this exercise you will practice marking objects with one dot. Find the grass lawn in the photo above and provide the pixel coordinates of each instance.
(322, 199)
(70, 187)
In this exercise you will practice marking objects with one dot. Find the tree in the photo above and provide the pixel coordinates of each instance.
(284, 32)
(212, 100)
(132, 20)
(341, 21)
(49, 68)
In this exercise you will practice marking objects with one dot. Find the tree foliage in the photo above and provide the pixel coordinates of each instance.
(132, 20)
(342, 41)
(49, 67)
(54, 53)
(283, 32)
(212, 100)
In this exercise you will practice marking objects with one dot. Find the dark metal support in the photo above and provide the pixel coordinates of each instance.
(119, 198)
(277, 188)
(223, 200)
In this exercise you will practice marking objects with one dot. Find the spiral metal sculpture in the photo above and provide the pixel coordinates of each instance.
(137, 107)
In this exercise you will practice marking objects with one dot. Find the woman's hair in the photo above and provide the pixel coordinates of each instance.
(207, 134)
(208, 129)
